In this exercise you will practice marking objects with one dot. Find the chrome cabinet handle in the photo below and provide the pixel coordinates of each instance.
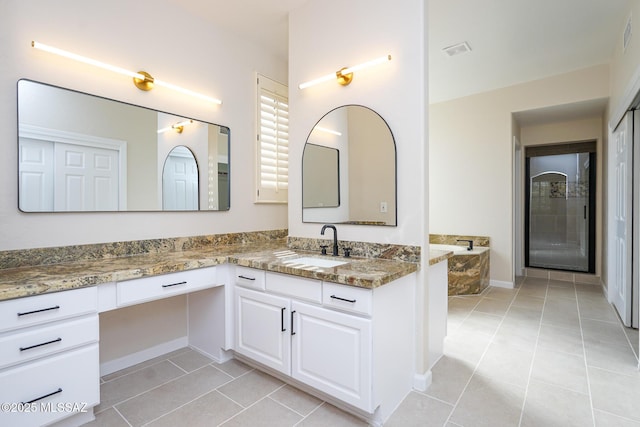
(59, 390)
(174, 284)
(41, 344)
(343, 299)
(24, 313)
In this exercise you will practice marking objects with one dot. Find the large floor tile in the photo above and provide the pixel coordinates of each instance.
(233, 367)
(251, 387)
(296, 400)
(501, 293)
(209, 410)
(190, 360)
(561, 369)
(493, 306)
(172, 395)
(604, 332)
(145, 364)
(612, 357)
(267, 413)
(481, 323)
(490, 403)
(604, 419)
(130, 385)
(467, 346)
(108, 418)
(550, 406)
(418, 410)
(328, 415)
(557, 338)
(450, 377)
(506, 363)
(615, 393)
(529, 301)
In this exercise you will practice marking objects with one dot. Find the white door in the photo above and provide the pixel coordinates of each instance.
(262, 328)
(620, 218)
(331, 351)
(86, 178)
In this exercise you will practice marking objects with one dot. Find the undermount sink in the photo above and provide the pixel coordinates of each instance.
(314, 262)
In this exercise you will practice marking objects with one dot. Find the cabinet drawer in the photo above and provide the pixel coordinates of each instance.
(70, 379)
(28, 311)
(347, 298)
(297, 287)
(24, 345)
(151, 288)
(250, 277)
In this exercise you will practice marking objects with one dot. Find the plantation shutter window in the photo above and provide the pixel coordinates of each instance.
(273, 142)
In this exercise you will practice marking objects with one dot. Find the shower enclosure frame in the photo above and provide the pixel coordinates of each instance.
(556, 149)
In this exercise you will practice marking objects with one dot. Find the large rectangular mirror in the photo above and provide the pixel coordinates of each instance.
(79, 152)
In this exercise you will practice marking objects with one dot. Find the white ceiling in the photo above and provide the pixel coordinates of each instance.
(512, 41)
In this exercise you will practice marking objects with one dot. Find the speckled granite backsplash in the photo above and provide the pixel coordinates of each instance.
(360, 249)
(57, 255)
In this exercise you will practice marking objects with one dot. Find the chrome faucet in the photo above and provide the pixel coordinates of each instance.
(335, 237)
(470, 247)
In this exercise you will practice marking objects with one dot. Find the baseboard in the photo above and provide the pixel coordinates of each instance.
(141, 356)
(421, 382)
(221, 357)
(501, 284)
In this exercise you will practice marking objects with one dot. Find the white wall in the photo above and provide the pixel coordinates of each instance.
(625, 66)
(165, 41)
(359, 31)
(471, 164)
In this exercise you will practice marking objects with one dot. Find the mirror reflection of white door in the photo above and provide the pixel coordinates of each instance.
(86, 178)
(36, 175)
(180, 180)
(620, 225)
(67, 177)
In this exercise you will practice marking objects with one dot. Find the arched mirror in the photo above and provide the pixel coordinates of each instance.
(349, 169)
(180, 181)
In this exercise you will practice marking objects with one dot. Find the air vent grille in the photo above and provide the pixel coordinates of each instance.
(457, 49)
(627, 34)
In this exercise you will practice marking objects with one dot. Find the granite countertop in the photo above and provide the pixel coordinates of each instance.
(437, 255)
(34, 280)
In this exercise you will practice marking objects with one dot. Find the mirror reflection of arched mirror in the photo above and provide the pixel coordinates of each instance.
(349, 169)
(67, 138)
(180, 181)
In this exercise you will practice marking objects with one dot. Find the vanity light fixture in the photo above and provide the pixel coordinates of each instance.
(345, 75)
(331, 131)
(141, 79)
(178, 127)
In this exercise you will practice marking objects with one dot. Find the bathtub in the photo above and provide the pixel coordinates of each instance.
(468, 270)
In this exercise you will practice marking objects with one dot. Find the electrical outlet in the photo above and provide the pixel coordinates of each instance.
(383, 207)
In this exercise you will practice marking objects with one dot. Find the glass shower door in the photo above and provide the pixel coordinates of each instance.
(560, 211)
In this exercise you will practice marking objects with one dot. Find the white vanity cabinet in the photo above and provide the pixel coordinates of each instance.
(332, 351)
(49, 362)
(262, 328)
(344, 341)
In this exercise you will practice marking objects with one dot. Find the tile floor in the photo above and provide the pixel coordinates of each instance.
(545, 354)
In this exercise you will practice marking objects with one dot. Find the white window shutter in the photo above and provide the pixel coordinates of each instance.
(272, 151)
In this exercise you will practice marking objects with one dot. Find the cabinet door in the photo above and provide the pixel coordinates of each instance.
(331, 351)
(263, 327)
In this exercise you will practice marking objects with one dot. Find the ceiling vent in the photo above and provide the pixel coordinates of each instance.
(626, 37)
(457, 49)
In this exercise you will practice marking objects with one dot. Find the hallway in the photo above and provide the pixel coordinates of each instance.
(545, 354)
